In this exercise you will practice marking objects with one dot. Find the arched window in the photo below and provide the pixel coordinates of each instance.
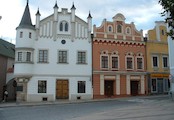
(109, 28)
(61, 26)
(119, 28)
(66, 26)
(128, 31)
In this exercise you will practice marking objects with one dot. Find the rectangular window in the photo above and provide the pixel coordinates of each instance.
(21, 34)
(139, 63)
(154, 85)
(42, 86)
(165, 62)
(28, 57)
(115, 62)
(129, 63)
(155, 61)
(43, 56)
(81, 86)
(19, 56)
(62, 57)
(29, 34)
(104, 60)
(81, 58)
(166, 86)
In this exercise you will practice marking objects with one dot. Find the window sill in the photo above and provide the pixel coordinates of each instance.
(81, 63)
(62, 63)
(26, 62)
(43, 62)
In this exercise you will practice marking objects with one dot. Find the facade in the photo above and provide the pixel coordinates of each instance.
(158, 59)
(53, 57)
(7, 54)
(119, 59)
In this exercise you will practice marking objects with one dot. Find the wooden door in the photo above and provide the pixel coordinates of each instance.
(62, 89)
(109, 91)
(134, 88)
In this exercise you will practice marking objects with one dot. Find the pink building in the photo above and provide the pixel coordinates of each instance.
(118, 59)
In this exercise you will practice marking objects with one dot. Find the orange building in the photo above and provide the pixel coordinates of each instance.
(119, 66)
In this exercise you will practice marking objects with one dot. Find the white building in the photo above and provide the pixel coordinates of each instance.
(53, 57)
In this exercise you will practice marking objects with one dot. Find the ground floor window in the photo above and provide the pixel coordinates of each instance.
(42, 86)
(154, 85)
(81, 86)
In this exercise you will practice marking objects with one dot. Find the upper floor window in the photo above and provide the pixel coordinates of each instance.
(43, 56)
(162, 32)
(114, 62)
(62, 57)
(81, 57)
(128, 30)
(119, 28)
(64, 26)
(21, 34)
(155, 61)
(29, 34)
(61, 26)
(139, 63)
(165, 61)
(110, 28)
(19, 57)
(24, 56)
(104, 60)
(129, 61)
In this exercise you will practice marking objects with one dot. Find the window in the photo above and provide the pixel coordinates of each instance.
(62, 57)
(104, 60)
(165, 62)
(129, 63)
(29, 34)
(162, 32)
(42, 86)
(155, 61)
(110, 29)
(166, 85)
(19, 56)
(21, 34)
(154, 85)
(61, 26)
(139, 63)
(66, 27)
(81, 86)
(81, 58)
(28, 57)
(119, 28)
(128, 30)
(115, 62)
(43, 56)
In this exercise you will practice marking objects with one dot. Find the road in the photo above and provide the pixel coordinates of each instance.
(119, 109)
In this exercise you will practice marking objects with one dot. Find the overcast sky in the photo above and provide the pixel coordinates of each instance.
(142, 12)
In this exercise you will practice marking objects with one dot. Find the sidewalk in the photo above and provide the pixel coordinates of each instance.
(57, 102)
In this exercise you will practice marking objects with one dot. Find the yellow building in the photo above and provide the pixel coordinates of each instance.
(157, 59)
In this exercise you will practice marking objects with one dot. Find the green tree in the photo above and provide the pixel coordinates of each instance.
(168, 6)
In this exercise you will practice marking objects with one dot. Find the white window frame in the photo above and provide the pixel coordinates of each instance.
(117, 61)
(142, 62)
(157, 61)
(47, 56)
(128, 28)
(104, 53)
(85, 57)
(110, 26)
(66, 57)
(129, 56)
(165, 56)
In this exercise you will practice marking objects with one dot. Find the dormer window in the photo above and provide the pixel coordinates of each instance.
(109, 28)
(128, 31)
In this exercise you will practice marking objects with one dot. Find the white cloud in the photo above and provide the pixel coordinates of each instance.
(142, 12)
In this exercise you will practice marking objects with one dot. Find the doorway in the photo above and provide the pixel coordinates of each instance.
(62, 89)
(109, 91)
(134, 88)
